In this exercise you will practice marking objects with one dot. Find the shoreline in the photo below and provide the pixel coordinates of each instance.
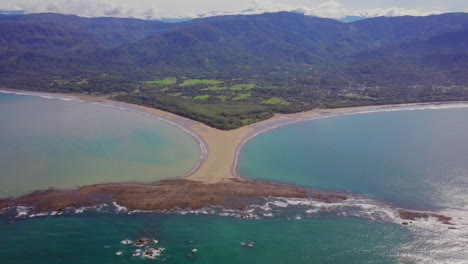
(317, 114)
(220, 150)
(248, 199)
(224, 186)
(142, 110)
(171, 196)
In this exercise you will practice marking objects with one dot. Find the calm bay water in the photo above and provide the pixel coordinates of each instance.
(417, 159)
(54, 143)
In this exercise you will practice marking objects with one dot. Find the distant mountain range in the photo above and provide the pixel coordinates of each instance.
(306, 61)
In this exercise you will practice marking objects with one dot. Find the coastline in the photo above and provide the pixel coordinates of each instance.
(281, 120)
(220, 150)
(215, 181)
(174, 120)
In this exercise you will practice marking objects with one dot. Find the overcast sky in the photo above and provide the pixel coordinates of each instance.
(197, 8)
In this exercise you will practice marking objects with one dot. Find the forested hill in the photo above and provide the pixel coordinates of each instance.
(230, 71)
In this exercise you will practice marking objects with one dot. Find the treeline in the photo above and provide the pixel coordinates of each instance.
(295, 62)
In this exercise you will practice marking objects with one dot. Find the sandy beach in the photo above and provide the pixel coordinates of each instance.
(220, 149)
(214, 181)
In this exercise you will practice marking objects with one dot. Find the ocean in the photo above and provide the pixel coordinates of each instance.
(386, 161)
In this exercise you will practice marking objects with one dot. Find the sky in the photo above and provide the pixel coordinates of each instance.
(157, 9)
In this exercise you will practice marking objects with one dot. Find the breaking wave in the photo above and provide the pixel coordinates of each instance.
(436, 242)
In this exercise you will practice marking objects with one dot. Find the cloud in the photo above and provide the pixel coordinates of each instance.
(156, 9)
(86, 8)
(335, 9)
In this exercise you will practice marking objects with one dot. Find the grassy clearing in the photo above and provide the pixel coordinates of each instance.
(276, 101)
(243, 87)
(242, 96)
(166, 81)
(215, 88)
(222, 97)
(223, 115)
(201, 97)
(191, 82)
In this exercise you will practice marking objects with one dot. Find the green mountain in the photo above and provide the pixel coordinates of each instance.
(111, 31)
(229, 71)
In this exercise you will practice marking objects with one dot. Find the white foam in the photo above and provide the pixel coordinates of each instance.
(44, 95)
(41, 214)
(80, 210)
(119, 208)
(22, 211)
(436, 242)
(126, 242)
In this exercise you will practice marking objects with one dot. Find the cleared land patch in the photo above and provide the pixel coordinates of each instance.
(191, 82)
(201, 97)
(215, 88)
(276, 101)
(165, 81)
(242, 96)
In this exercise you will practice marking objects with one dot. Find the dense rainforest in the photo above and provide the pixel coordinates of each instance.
(231, 71)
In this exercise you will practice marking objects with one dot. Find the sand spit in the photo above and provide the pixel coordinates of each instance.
(220, 149)
(214, 181)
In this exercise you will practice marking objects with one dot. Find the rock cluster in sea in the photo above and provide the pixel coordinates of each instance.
(145, 248)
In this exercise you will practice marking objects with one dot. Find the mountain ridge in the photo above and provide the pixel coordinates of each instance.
(249, 65)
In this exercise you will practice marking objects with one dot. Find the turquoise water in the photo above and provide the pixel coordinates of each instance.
(54, 143)
(416, 159)
(95, 238)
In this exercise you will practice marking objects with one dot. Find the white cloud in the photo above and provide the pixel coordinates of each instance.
(86, 8)
(335, 9)
(201, 8)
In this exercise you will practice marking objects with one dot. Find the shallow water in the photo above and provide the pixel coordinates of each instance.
(421, 166)
(416, 159)
(55, 143)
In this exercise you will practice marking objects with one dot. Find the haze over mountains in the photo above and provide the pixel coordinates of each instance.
(307, 61)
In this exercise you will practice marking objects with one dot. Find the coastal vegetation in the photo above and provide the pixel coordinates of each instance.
(165, 81)
(202, 97)
(275, 100)
(242, 96)
(192, 82)
(208, 70)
